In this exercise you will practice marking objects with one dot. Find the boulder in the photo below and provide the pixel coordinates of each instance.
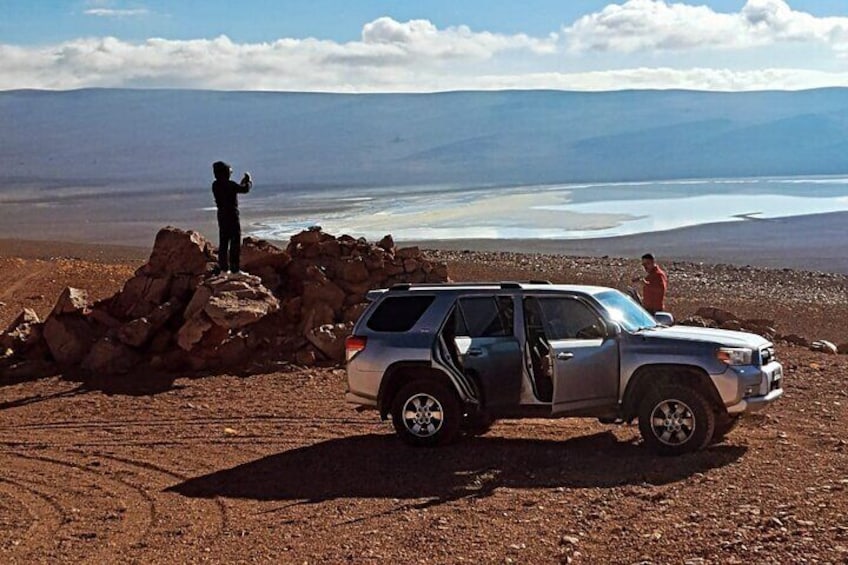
(354, 270)
(330, 248)
(387, 243)
(824, 346)
(140, 295)
(328, 293)
(410, 265)
(759, 323)
(394, 268)
(68, 337)
(794, 339)
(161, 341)
(329, 339)
(375, 261)
(258, 254)
(22, 333)
(734, 325)
(100, 315)
(697, 321)
(183, 287)
(110, 357)
(139, 331)
(311, 236)
(192, 331)
(408, 253)
(71, 301)
(237, 301)
(306, 357)
(135, 333)
(352, 313)
(27, 370)
(318, 315)
(177, 251)
(439, 273)
(234, 352)
(199, 299)
(270, 278)
(717, 314)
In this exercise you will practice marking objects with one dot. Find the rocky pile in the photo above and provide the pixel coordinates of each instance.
(297, 304)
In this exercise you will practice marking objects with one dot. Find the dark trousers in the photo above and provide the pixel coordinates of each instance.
(229, 242)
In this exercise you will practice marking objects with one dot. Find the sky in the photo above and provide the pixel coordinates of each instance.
(424, 45)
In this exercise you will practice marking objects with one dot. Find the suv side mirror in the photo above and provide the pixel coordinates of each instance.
(664, 318)
(612, 328)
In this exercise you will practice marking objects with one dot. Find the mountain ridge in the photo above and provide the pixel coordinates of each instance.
(169, 137)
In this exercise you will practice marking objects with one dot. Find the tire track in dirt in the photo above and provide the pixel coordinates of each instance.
(193, 421)
(15, 282)
(81, 480)
(171, 432)
(46, 516)
(58, 479)
(171, 478)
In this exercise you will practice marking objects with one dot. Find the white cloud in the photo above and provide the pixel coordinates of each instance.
(649, 25)
(116, 12)
(418, 56)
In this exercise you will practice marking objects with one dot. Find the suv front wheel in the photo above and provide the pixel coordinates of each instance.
(675, 419)
(426, 413)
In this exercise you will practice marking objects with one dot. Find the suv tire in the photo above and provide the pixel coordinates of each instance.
(426, 413)
(723, 426)
(675, 419)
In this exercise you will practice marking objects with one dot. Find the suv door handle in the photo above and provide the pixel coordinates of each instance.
(475, 352)
(565, 355)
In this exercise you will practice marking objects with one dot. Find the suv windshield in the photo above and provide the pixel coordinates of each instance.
(625, 311)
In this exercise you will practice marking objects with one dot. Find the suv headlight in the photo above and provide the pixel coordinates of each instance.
(735, 355)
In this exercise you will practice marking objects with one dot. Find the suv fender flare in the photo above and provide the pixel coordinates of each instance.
(403, 371)
(647, 376)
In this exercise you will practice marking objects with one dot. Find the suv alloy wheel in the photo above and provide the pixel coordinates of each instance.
(675, 419)
(425, 413)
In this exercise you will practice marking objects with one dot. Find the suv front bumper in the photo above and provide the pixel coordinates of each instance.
(770, 389)
(755, 403)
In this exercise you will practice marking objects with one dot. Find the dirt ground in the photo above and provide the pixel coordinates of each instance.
(275, 467)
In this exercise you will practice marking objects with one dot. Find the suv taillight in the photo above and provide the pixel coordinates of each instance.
(353, 345)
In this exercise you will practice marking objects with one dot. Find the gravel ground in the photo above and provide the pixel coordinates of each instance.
(274, 467)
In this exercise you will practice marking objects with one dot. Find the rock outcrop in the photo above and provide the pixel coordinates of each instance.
(297, 304)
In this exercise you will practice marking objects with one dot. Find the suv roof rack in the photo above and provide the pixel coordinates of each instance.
(538, 281)
(502, 284)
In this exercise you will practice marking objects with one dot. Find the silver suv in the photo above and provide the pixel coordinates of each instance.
(441, 359)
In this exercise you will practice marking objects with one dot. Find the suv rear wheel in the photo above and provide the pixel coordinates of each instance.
(426, 413)
(675, 419)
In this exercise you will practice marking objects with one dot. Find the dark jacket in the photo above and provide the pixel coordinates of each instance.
(226, 196)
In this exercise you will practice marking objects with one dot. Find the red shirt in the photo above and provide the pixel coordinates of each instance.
(656, 283)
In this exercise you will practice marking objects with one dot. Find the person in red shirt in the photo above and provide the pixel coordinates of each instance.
(654, 284)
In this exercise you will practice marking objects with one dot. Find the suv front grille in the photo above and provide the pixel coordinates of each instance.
(766, 355)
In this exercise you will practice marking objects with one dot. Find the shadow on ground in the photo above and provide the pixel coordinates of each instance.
(379, 466)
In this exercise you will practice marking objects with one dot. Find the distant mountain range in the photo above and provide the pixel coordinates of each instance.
(162, 137)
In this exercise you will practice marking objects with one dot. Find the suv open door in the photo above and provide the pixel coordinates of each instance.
(585, 360)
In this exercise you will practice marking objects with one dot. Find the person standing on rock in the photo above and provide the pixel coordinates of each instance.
(226, 193)
(654, 285)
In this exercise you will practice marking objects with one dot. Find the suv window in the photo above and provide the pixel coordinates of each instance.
(567, 318)
(399, 313)
(485, 316)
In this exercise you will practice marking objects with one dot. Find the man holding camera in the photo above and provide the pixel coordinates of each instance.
(226, 194)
